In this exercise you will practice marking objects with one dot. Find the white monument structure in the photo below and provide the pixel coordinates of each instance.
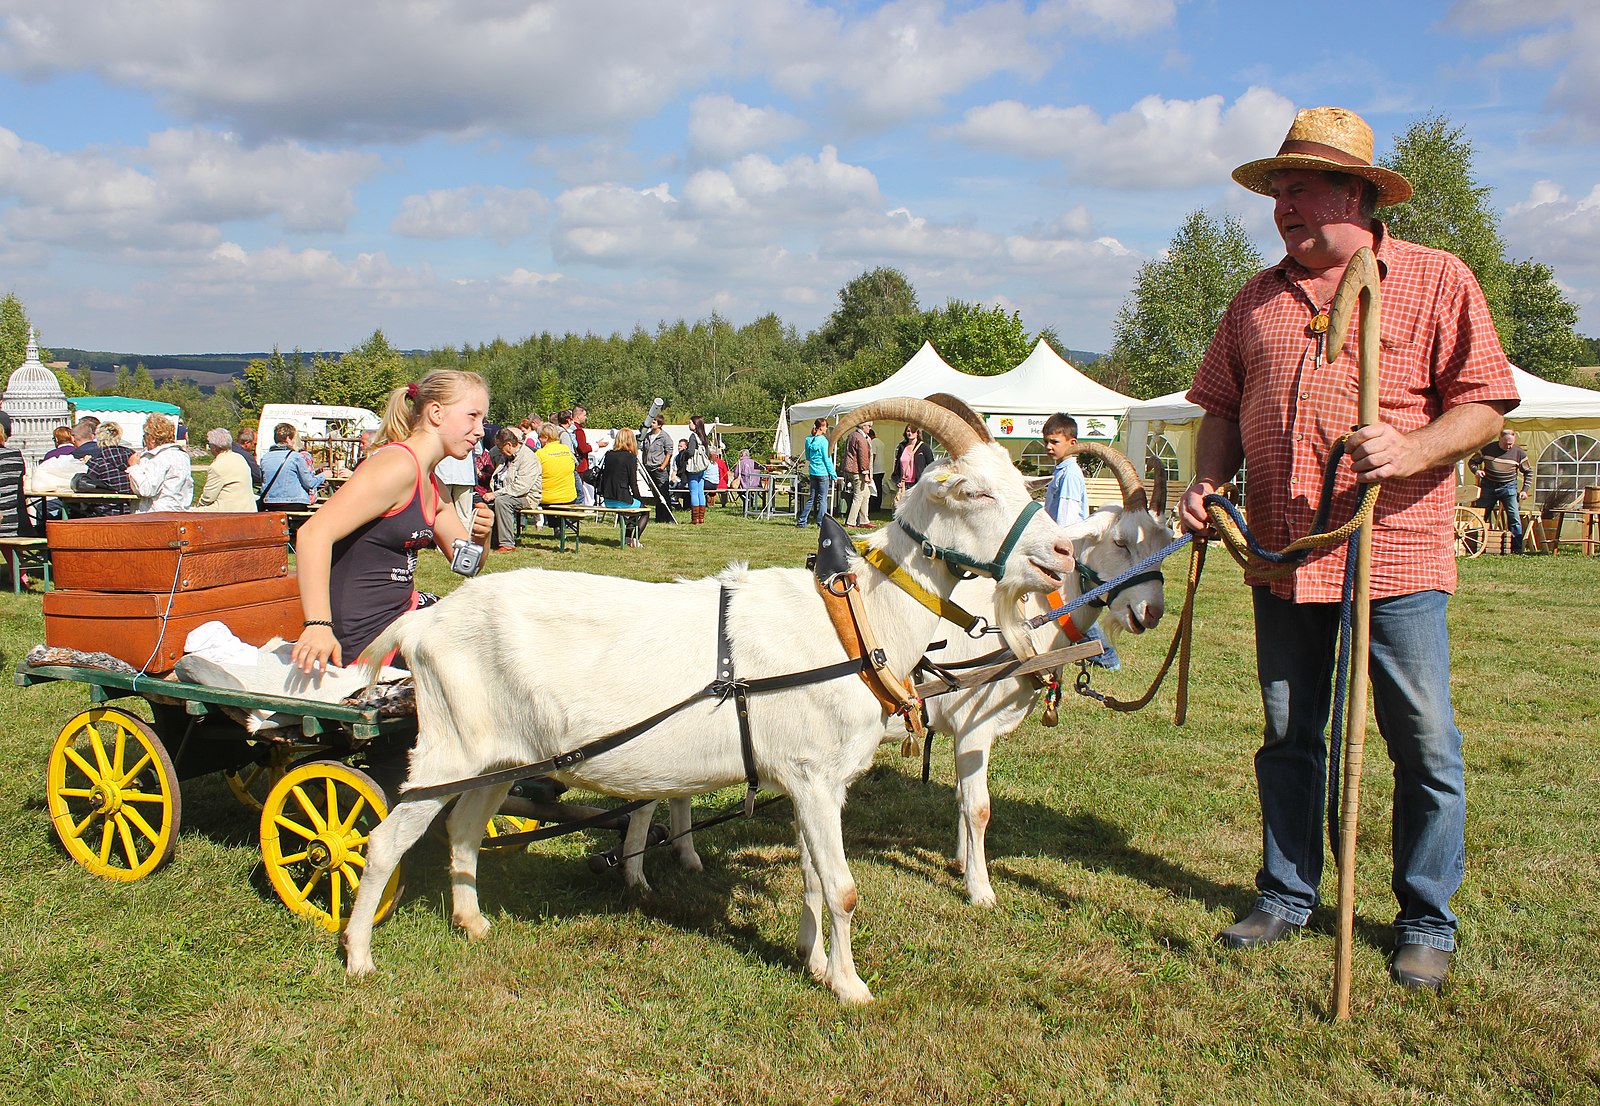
(36, 404)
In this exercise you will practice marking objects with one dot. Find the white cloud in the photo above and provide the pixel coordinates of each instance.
(1562, 35)
(1111, 18)
(1550, 227)
(1157, 144)
(214, 177)
(729, 219)
(474, 211)
(373, 70)
(170, 194)
(903, 58)
(721, 127)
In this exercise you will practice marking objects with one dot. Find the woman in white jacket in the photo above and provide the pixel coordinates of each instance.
(160, 476)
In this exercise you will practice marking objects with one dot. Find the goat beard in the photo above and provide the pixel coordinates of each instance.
(1009, 619)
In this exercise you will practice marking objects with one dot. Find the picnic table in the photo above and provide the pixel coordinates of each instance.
(571, 516)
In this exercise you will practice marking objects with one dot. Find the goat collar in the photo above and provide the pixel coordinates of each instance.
(958, 562)
(1089, 580)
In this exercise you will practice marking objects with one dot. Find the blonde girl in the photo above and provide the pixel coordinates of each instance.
(357, 555)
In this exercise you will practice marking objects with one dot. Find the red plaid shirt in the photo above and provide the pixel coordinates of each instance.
(1265, 370)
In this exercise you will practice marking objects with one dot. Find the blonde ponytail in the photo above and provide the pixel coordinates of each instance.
(403, 410)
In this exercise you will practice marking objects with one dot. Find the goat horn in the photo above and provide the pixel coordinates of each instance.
(968, 415)
(1158, 483)
(955, 433)
(1133, 493)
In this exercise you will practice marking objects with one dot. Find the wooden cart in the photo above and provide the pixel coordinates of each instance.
(321, 787)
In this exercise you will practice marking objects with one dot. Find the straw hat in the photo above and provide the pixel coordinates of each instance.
(1330, 140)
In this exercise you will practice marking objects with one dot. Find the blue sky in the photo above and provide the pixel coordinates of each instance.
(215, 176)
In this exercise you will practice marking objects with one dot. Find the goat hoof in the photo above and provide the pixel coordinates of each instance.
(985, 898)
(475, 927)
(692, 862)
(852, 993)
(357, 966)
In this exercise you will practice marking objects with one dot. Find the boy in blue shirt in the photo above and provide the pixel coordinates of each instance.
(1067, 501)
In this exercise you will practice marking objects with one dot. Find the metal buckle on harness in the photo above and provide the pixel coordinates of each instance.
(879, 658)
(839, 584)
(980, 626)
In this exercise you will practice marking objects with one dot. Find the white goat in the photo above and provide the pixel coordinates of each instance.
(525, 703)
(1109, 542)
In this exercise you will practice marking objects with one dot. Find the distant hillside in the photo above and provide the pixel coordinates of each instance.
(206, 370)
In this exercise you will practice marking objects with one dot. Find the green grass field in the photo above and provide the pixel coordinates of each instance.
(1120, 845)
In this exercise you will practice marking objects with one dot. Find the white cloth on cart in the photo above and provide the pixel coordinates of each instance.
(215, 657)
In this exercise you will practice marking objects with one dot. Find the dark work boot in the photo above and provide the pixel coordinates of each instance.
(1420, 967)
(1256, 929)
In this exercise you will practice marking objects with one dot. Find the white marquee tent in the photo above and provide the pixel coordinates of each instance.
(1014, 404)
(924, 375)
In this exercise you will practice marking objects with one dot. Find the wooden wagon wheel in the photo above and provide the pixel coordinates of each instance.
(1472, 534)
(251, 783)
(113, 794)
(502, 824)
(315, 823)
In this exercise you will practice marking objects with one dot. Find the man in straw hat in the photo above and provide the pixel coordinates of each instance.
(1273, 400)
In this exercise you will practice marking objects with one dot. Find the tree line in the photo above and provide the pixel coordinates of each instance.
(738, 374)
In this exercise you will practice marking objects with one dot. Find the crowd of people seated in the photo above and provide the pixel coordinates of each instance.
(533, 464)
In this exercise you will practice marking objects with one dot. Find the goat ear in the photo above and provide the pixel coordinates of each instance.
(1036, 482)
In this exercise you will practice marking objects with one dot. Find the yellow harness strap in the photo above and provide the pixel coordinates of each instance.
(903, 580)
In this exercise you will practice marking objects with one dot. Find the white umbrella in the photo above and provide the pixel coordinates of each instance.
(780, 440)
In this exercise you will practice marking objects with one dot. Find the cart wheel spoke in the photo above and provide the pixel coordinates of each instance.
(83, 766)
(125, 778)
(130, 849)
(304, 802)
(283, 821)
(132, 815)
(251, 782)
(107, 831)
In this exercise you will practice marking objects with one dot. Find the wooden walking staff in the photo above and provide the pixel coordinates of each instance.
(1359, 285)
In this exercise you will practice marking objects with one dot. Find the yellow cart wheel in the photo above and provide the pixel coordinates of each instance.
(250, 783)
(503, 824)
(314, 828)
(1472, 534)
(113, 794)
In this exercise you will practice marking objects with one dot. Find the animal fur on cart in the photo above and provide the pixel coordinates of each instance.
(524, 702)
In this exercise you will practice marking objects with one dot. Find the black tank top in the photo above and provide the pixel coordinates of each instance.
(370, 583)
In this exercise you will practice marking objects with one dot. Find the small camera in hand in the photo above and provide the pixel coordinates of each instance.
(466, 557)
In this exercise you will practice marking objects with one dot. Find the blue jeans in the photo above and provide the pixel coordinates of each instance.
(1109, 659)
(1490, 494)
(1410, 675)
(818, 498)
(697, 489)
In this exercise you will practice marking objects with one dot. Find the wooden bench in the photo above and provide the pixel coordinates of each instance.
(26, 553)
(1104, 491)
(571, 516)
